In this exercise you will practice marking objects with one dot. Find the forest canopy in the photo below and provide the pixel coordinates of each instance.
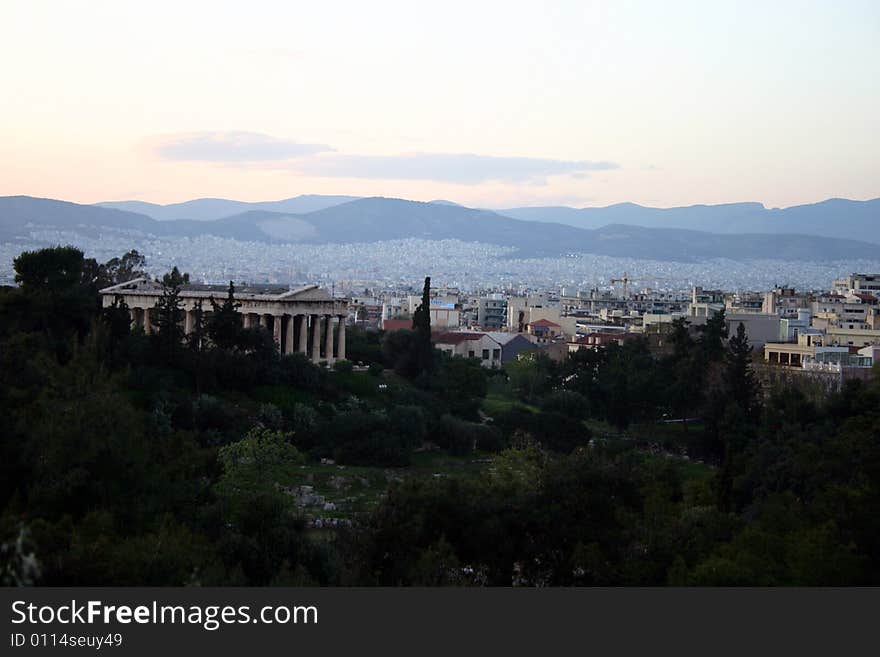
(169, 459)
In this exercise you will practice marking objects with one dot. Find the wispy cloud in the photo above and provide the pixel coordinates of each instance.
(322, 161)
(232, 147)
(463, 168)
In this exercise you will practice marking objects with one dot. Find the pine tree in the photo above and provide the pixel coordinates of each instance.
(196, 343)
(712, 336)
(225, 324)
(174, 278)
(196, 338)
(169, 314)
(117, 316)
(739, 379)
(686, 373)
(680, 339)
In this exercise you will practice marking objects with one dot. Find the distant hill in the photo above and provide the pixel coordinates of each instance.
(378, 219)
(210, 209)
(18, 212)
(858, 220)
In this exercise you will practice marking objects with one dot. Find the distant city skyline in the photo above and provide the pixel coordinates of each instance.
(490, 104)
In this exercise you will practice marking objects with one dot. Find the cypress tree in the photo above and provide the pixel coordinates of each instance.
(422, 326)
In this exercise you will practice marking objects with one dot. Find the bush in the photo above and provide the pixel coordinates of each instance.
(461, 437)
(358, 437)
(298, 371)
(566, 402)
(218, 421)
(343, 366)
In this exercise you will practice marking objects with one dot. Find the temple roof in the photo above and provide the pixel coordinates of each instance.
(146, 286)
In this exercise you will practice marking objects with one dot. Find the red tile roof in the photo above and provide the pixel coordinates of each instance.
(396, 324)
(457, 337)
(544, 322)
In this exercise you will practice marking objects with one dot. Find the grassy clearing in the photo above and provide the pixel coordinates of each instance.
(496, 402)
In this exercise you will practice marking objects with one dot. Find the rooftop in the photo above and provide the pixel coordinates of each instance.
(148, 287)
(457, 337)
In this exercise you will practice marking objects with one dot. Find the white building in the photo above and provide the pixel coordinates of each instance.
(471, 344)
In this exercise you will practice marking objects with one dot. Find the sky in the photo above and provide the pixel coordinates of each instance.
(489, 104)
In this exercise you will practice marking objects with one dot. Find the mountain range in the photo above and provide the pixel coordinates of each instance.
(836, 217)
(836, 229)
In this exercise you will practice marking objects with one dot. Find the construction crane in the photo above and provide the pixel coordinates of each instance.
(626, 280)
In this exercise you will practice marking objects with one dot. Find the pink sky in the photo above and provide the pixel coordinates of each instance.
(495, 104)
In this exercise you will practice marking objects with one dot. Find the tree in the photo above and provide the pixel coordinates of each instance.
(739, 378)
(257, 461)
(400, 352)
(124, 269)
(117, 317)
(681, 340)
(422, 326)
(195, 342)
(712, 336)
(628, 383)
(175, 278)
(685, 373)
(55, 298)
(51, 270)
(462, 384)
(532, 374)
(169, 314)
(258, 529)
(195, 339)
(94, 278)
(225, 323)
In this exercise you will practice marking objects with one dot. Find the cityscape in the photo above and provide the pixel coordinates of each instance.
(310, 310)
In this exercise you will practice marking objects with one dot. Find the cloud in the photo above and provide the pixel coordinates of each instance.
(232, 147)
(464, 168)
(322, 161)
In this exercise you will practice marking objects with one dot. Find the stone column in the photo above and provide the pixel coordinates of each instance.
(263, 321)
(148, 324)
(288, 338)
(340, 338)
(276, 331)
(245, 320)
(328, 338)
(187, 322)
(303, 345)
(133, 312)
(316, 338)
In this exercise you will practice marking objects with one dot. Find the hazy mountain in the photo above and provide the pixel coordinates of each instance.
(140, 207)
(377, 219)
(857, 220)
(17, 213)
(209, 209)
